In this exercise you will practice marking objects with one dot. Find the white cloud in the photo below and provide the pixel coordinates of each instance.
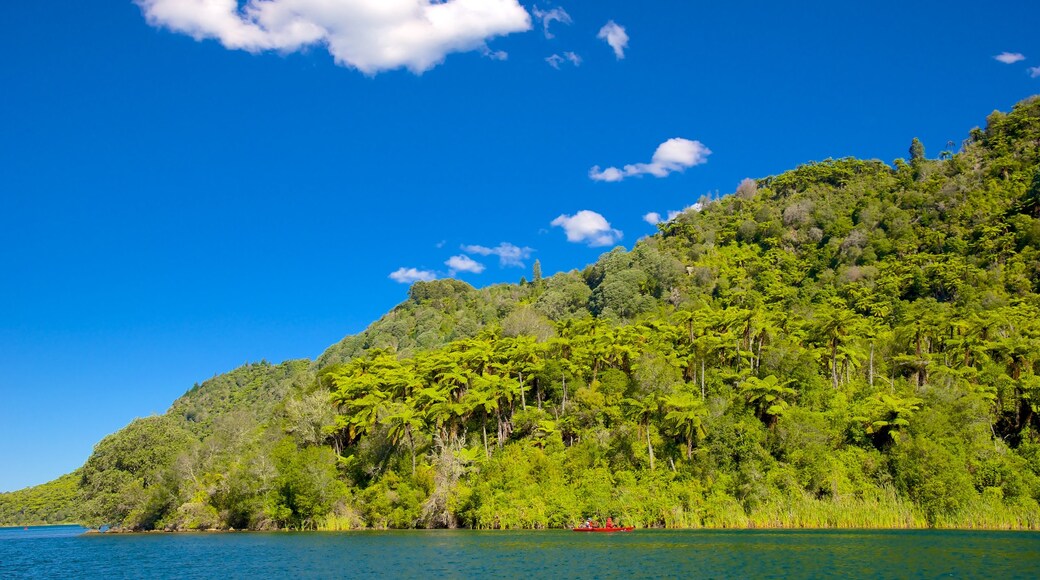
(369, 35)
(494, 54)
(608, 174)
(588, 227)
(409, 275)
(653, 218)
(1010, 57)
(556, 60)
(547, 17)
(672, 214)
(508, 254)
(464, 264)
(615, 36)
(1034, 71)
(673, 155)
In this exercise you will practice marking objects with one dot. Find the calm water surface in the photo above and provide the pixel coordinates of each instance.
(66, 552)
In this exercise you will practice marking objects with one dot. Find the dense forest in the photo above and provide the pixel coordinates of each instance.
(849, 343)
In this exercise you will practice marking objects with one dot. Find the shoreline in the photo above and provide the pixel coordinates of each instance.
(91, 531)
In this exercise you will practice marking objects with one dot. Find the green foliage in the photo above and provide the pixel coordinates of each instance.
(50, 503)
(845, 344)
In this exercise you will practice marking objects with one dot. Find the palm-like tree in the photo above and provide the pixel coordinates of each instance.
(644, 411)
(685, 418)
(402, 420)
(834, 324)
(768, 397)
(889, 415)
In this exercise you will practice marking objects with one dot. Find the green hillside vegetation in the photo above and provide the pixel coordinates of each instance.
(847, 344)
(48, 504)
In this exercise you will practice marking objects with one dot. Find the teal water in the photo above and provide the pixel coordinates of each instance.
(63, 552)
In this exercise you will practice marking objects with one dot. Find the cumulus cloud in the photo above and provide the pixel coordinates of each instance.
(369, 35)
(409, 275)
(615, 36)
(556, 60)
(547, 17)
(1010, 57)
(464, 263)
(673, 155)
(653, 218)
(508, 254)
(1034, 71)
(588, 227)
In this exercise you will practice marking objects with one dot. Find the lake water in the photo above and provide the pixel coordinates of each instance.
(58, 552)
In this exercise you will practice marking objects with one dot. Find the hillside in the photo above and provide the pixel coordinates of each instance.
(849, 343)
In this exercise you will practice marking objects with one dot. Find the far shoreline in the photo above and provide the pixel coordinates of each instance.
(94, 531)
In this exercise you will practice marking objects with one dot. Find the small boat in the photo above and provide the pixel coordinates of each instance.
(606, 530)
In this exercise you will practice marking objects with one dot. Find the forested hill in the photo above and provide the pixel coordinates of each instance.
(849, 343)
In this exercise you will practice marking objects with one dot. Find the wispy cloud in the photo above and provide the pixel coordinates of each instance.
(673, 155)
(1010, 57)
(588, 227)
(1033, 71)
(547, 17)
(674, 213)
(369, 35)
(494, 54)
(653, 218)
(615, 36)
(508, 254)
(556, 60)
(409, 275)
(464, 263)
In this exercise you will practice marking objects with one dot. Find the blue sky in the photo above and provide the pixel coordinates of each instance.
(185, 191)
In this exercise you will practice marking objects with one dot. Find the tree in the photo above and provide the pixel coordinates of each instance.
(685, 418)
(916, 151)
(835, 323)
(536, 273)
(1030, 203)
(644, 411)
(887, 416)
(403, 420)
(768, 397)
(747, 189)
(916, 157)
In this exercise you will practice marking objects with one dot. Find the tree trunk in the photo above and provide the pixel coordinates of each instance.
(649, 447)
(834, 362)
(917, 354)
(523, 400)
(411, 443)
(564, 377)
(483, 429)
(702, 379)
(871, 364)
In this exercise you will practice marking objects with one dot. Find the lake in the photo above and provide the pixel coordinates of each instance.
(66, 552)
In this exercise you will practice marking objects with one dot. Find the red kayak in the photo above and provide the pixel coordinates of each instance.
(608, 530)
